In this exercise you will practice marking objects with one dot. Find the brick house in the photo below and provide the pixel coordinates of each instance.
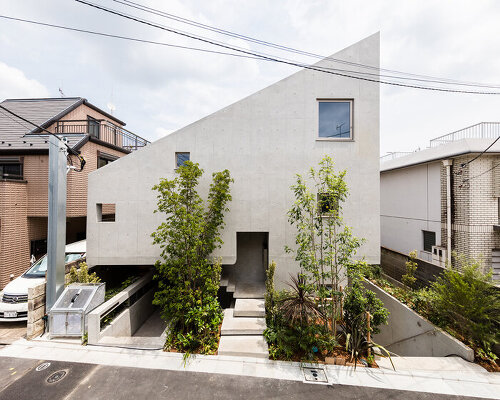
(414, 197)
(98, 136)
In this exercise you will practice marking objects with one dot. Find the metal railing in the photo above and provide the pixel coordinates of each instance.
(483, 130)
(102, 130)
(394, 154)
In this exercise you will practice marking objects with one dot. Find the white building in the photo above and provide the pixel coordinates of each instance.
(264, 140)
(414, 197)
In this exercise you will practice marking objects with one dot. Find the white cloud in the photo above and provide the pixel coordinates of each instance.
(14, 84)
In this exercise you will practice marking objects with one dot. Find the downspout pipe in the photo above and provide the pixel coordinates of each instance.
(448, 164)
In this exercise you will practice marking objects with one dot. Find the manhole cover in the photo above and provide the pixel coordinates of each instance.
(56, 376)
(42, 366)
(315, 375)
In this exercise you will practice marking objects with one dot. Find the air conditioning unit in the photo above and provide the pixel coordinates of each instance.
(439, 256)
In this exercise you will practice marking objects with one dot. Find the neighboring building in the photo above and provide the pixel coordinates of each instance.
(264, 140)
(24, 159)
(414, 197)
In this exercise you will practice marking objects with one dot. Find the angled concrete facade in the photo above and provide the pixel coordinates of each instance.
(264, 140)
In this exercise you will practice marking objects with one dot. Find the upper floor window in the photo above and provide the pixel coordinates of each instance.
(93, 126)
(181, 158)
(335, 119)
(104, 159)
(11, 168)
(429, 240)
(327, 203)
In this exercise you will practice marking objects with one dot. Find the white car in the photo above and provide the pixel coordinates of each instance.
(14, 297)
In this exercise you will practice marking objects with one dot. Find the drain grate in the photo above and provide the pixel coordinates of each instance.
(42, 366)
(56, 376)
(317, 375)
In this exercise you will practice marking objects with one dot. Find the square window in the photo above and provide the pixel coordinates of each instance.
(106, 212)
(429, 240)
(335, 119)
(181, 158)
(327, 203)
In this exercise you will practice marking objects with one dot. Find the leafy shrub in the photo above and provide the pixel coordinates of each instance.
(270, 290)
(188, 281)
(411, 266)
(82, 275)
(468, 302)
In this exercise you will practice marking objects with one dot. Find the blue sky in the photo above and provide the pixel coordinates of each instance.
(157, 90)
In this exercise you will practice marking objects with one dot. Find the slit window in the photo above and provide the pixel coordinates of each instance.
(106, 212)
(335, 119)
(327, 203)
(181, 158)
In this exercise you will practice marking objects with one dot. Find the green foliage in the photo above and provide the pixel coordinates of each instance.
(297, 307)
(468, 302)
(270, 290)
(188, 280)
(411, 267)
(111, 292)
(82, 275)
(324, 245)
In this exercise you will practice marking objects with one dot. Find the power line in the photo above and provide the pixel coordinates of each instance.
(463, 165)
(296, 51)
(125, 37)
(481, 174)
(71, 151)
(296, 64)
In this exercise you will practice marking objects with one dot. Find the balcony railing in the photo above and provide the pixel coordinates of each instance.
(483, 130)
(393, 155)
(102, 130)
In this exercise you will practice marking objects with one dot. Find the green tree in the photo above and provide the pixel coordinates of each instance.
(188, 279)
(324, 245)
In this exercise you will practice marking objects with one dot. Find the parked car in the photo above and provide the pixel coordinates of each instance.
(14, 297)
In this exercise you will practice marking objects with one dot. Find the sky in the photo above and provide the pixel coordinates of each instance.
(157, 90)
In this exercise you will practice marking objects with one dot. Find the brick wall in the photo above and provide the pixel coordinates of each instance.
(474, 207)
(14, 243)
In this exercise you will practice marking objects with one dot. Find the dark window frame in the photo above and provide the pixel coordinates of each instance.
(324, 203)
(93, 126)
(12, 161)
(106, 158)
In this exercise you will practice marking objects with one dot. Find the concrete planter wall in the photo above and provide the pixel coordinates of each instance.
(409, 334)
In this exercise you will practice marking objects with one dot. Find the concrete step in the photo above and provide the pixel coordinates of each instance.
(231, 286)
(250, 291)
(241, 326)
(243, 346)
(249, 308)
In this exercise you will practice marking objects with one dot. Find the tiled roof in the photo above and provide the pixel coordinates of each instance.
(42, 112)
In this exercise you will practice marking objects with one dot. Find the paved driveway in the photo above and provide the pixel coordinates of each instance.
(19, 379)
(11, 331)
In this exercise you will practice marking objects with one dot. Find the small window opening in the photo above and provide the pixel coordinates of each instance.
(429, 240)
(327, 203)
(106, 212)
(181, 158)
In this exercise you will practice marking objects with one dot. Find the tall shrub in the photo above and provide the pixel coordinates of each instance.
(188, 280)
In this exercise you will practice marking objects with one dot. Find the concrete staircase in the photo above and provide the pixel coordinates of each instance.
(243, 325)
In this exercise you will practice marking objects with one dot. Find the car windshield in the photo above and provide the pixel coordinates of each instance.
(39, 268)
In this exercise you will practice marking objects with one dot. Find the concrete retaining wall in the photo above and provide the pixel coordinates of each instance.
(409, 334)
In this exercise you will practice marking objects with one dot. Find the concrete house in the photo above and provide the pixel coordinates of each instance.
(24, 157)
(264, 140)
(459, 172)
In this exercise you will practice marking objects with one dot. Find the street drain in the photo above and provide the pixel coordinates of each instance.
(56, 376)
(316, 375)
(42, 366)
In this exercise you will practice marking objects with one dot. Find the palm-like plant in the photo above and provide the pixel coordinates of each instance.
(298, 305)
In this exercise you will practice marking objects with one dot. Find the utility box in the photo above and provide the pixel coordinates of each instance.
(68, 316)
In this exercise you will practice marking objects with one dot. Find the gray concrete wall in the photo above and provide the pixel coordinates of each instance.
(410, 202)
(409, 334)
(264, 140)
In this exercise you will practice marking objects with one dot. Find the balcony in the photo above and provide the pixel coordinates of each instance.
(483, 130)
(102, 130)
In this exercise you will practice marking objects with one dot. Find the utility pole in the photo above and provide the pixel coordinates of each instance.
(56, 237)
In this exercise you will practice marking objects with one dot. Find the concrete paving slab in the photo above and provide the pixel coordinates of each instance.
(249, 308)
(249, 291)
(429, 364)
(241, 326)
(244, 346)
(11, 331)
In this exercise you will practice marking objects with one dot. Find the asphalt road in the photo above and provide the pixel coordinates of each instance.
(22, 379)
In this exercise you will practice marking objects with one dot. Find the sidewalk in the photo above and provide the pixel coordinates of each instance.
(452, 377)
